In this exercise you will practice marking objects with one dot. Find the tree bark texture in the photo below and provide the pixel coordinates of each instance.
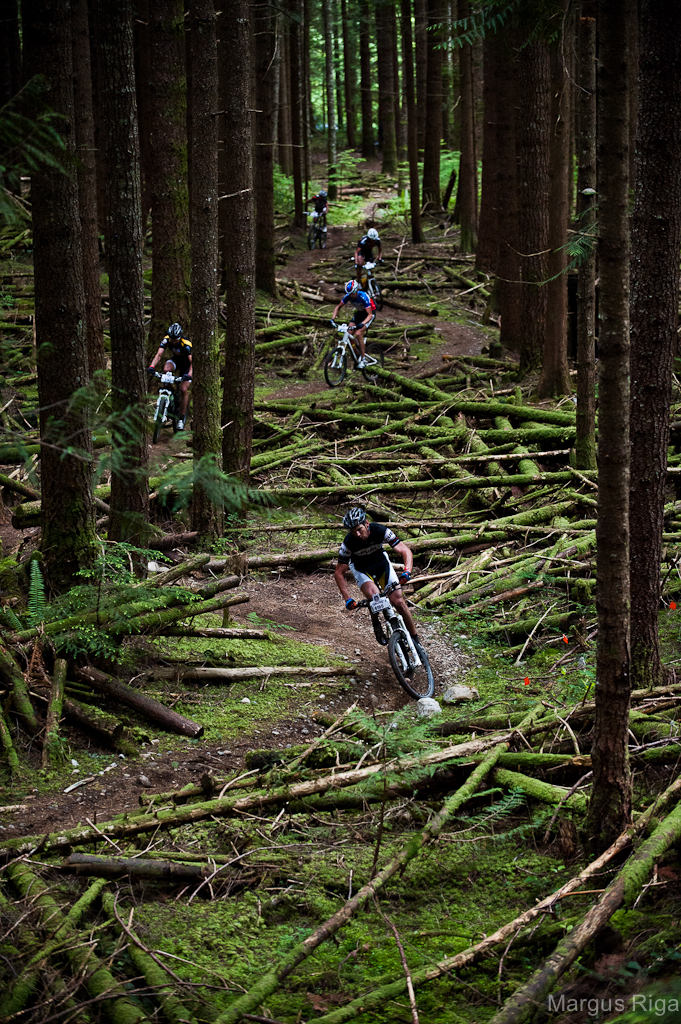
(349, 77)
(167, 169)
(87, 183)
(265, 43)
(555, 379)
(468, 178)
(207, 517)
(296, 96)
(412, 142)
(129, 485)
(488, 244)
(421, 47)
(611, 802)
(655, 246)
(534, 81)
(433, 118)
(68, 532)
(239, 271)
(284, 112)
(507, 269)
(365, 84)
(585, 446)
(386, 90)
(331, 128)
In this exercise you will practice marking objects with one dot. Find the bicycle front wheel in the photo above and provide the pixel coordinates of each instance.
(159, 418)
(335, 367)
(322, 238)
(417, 680)
(311, 236)
(375, 352)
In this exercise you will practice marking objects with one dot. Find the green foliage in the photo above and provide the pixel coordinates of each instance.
(36, 596)
(283, 191)
(177, 483)
(29, 142)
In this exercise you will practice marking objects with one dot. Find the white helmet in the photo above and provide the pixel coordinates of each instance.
(373, 233)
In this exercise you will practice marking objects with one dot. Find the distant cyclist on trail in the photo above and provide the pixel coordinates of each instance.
(176, 352)
(365, 311)
(362, 553)
(364, 253)
(321, 205)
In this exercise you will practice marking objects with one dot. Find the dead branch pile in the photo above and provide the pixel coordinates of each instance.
(66, 941)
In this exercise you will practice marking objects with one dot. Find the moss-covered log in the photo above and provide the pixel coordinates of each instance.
(538, 790)
(52, 748)
(151, 709)
(133, 867)
(9, 671)
(7, 746)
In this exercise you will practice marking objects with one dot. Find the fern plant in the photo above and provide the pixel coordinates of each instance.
(36, 596)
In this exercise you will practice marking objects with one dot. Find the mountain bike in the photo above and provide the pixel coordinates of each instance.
(408, 659)
(336, 363)
(369, 283)
(167, 403)
(317, 231)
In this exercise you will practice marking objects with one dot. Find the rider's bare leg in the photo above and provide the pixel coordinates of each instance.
(184, 398)
(359, 263)
(398, 602)
(369, 589)
(359, 338)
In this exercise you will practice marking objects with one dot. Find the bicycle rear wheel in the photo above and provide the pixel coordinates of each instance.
(376, 352)
(335, 367)
(417, 680)
(378, 298)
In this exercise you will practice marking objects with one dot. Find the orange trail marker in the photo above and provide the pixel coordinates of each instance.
(565, 638)
(527, 681)
(672, 605)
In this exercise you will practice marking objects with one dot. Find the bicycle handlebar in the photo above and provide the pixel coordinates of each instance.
(168, 377)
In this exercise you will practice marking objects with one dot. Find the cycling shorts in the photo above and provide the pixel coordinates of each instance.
(381, 577)
(360, 316)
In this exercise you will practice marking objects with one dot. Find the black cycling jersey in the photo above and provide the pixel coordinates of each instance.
(367, 555)
(319, 203)
(179, 352)
(366, 247)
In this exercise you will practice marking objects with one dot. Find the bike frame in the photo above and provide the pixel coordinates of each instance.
(348, 345)
(380, 604)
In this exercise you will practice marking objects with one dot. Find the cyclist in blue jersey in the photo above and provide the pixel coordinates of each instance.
(176, 353)
(362, 553)
(365, 311)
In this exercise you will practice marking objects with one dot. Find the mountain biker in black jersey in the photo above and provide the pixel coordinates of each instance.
(321, 205)
(177, 354)
(362, 553)
(365, 313)
(364, 253)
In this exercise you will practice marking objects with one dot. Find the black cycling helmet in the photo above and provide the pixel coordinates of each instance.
(175, 332)
(354, 518)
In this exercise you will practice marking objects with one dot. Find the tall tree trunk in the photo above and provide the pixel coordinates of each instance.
(507, 269)
(129, 486)
(340, 95)
(265, 43)
(386, 89)
(330, 98)
(534, 80)
(206, 515)
(350, 78)
(468, 179)
(655, 245)
(431, 150)
(488, 243)
(611, 801)
(365, 84)
(400, 137)
(284, 135)
(168, 170)
(296, 93)
(67, 513)
(585, 444)
(142, 50)
(238, 386)
(555, 377)
(421, 46)
(412, 147)
(87, 184)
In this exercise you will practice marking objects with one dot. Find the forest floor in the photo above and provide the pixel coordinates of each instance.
(494, 860)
